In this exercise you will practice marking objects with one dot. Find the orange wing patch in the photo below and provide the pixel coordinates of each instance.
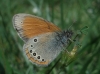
(34, 60)
(33, 26)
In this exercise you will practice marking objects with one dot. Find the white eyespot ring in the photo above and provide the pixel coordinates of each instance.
(35, 40)
(34, 54)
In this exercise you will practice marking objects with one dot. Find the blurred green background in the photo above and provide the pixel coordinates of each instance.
(63, 13)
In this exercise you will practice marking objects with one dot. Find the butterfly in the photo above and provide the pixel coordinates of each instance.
(43, 40)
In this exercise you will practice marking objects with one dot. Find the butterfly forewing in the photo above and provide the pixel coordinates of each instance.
(29, 26)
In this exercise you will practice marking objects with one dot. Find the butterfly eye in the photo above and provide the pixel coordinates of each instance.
(35, 40)
(34, 54)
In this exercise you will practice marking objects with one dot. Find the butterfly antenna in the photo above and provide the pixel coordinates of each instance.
(70, 26)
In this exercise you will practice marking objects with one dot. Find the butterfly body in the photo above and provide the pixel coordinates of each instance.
(43, 40)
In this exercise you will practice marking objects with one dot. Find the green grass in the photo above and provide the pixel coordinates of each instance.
(63, 13)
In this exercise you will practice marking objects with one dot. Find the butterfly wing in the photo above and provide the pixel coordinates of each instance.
(29, 26)
(43, 49)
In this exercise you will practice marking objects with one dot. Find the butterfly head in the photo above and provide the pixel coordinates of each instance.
(68, 33)
(65, 36)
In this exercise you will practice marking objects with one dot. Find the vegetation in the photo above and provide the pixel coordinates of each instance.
(63, 13)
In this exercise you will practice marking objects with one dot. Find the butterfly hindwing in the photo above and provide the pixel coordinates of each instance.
(43, 49)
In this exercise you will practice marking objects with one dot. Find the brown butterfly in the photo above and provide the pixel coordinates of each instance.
(43, 40)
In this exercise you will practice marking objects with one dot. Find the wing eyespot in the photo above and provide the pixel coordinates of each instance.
(42, 59)
(30, 51)
(35, 40)
(31, 45)
(38, 57)
(34, 54)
